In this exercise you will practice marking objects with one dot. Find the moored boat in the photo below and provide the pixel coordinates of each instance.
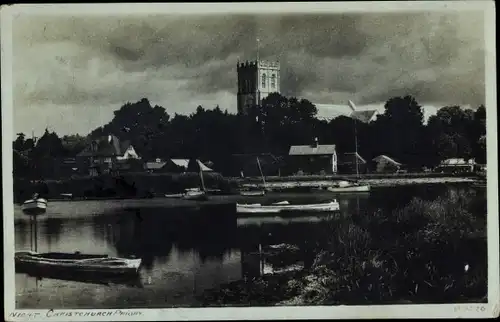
(195, 195)
(351, 188)
(190, 194)
(34, 206)
(76, 262)
(174, 195)
(252, 193)
(287, 207)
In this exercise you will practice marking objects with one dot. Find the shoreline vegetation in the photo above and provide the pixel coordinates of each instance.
(147, 185)
(427, 252)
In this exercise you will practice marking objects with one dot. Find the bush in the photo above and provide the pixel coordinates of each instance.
(418, 253)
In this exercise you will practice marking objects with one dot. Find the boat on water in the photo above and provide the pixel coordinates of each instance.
(76, 262)
(256, 193)
(352, 187)
(190, 194)
(285, 206)
(252, 193)
(195, 195)
(34, 206)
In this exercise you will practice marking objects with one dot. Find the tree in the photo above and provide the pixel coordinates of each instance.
(398, 131)
(140, 123)
(19, 143)
(455, 132)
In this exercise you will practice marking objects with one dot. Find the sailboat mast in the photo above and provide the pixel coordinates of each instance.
(262, 174)
(201, 178)
(356, 148)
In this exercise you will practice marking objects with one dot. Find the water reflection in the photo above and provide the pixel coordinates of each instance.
(185, 252)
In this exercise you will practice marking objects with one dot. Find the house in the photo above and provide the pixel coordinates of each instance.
(154, 166)
(314, 158)
(176, 166)
(385, 164)
(105, 155)
(365, 116)
(346, 163)
(456, 165)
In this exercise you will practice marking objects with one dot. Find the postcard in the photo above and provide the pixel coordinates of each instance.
(215, 161)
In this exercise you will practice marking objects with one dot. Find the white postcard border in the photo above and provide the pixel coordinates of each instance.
(489, 309)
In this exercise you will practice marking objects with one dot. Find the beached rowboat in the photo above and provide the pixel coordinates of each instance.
(286, 207)
(34, 206)
(76, 262)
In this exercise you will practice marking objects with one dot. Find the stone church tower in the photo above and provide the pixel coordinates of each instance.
(256, 80)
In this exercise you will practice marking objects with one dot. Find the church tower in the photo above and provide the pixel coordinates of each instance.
(256, 80)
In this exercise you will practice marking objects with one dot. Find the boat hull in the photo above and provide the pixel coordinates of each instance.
(102, 265)
(364, 188)
(34, 207)
(195, 196)
(273, 209)
(253, 193)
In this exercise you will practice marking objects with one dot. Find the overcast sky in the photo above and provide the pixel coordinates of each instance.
(70, 74)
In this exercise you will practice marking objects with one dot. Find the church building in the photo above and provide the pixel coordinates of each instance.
(256, 80)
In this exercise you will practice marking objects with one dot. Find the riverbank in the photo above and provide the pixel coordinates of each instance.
(427, 252)
(145, 185)
(286, 184)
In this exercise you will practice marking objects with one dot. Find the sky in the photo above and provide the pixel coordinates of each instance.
(72, 72)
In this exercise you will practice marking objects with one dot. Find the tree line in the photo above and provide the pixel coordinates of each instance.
(211, 134)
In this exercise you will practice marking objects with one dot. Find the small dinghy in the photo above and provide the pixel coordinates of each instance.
(190, 194)
(349, 186)
(285, 206)
(76, 262)
(34, 206)
(195, 195)
(252, 193)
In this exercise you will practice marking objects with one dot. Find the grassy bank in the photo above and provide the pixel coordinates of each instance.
(427, 252)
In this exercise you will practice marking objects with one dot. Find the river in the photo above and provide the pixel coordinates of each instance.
(182, 254)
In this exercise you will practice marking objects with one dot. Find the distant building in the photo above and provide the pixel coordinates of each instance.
(256, 80)
(346, 163)
(313, 159)
(176, 166)
(456, 165)
(385, 164)
(106, 154)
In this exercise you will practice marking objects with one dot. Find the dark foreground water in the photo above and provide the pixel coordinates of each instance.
(183, 252)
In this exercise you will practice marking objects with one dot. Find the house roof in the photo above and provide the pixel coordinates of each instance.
(312, 150)
(185, 162)
(106, 146)
(154, 165)
(385, 158)
(350, 158)
(364, 116)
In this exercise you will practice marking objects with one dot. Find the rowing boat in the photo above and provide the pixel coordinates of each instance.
(255, 193)
(34, 206)
(352, 188)
(76, 262)
(284, 206)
